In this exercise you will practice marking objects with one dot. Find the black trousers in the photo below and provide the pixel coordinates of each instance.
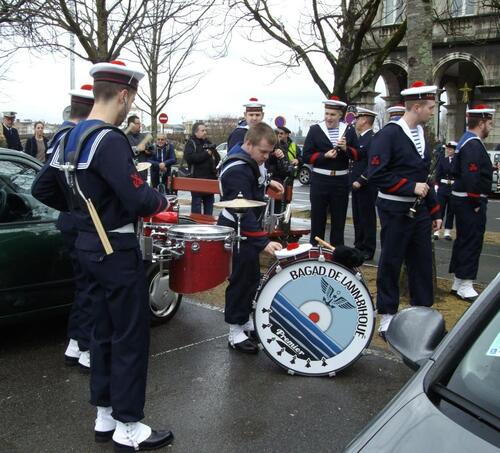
(467, 247)
(447, 212)
(329, 192)
(404, 240)
(119, 346)
(80, 319)
(364, 217)
(243, 283)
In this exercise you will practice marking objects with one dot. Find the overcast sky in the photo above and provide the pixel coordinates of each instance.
(38, 88)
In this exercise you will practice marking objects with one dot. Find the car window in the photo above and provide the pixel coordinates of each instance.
(16, 202)
(477, 376)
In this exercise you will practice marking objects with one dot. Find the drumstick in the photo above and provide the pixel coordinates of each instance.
(324, 243)
(98, 226)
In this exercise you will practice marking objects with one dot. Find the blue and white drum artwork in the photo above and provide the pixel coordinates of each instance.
(313, 316)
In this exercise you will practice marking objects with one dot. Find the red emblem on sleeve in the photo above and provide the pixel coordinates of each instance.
(375, 161)
(136, 180)
(473, 167)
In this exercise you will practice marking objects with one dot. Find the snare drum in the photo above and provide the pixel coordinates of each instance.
(202, 257)
(313, 316)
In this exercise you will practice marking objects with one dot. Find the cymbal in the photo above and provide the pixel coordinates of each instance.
(239, 203)
(142, 166)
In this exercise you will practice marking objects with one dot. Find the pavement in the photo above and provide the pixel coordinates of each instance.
(214, 399)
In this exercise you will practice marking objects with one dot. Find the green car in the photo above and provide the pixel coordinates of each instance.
(36, 276)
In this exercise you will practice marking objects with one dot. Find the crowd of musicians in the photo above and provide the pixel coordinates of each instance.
(91, 177)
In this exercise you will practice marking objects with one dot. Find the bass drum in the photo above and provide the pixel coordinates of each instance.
(163, 302)
(313, 317)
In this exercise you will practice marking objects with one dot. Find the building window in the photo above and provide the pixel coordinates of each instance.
(460, 8)
(393, 11)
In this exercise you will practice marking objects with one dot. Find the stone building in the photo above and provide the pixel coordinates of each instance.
(466, 56)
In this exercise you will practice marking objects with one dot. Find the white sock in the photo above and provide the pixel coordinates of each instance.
(447, 232)
(385, 320)
(466, 289)
(84, 359)
(237, 334)
(72, 350)
(104, 421)
(456, 284)
(131, 434)
(436, 233)
(248, 326)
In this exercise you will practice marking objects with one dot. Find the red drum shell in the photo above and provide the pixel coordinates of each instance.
(205, 268)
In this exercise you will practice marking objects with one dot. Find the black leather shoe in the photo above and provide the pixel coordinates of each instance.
(70, 361)
(247, 346)
(448, 238)
(252, 335)
(158, 439)
(467, 299)
(453, 291)
(83, 369)
(367, 256)
(103, 436)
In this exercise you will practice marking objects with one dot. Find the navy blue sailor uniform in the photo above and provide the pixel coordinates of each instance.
(239, 176)
(398, 160)
(330, 178)
(473, 174)
(237, 136)
(444, 180)
(364, 215)
(12, 138)
(120, 336)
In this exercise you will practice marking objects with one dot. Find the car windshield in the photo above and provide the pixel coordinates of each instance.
(477, 377)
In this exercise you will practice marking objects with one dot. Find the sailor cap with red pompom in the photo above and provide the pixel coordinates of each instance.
(83, 95)
(420, 91)
(116, 72)
(253, 105)
(334, 102)
(365, 112)
(450, 144)
(396, 110)
(480, 111)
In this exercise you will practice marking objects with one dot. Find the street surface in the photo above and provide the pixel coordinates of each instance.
(214, 400)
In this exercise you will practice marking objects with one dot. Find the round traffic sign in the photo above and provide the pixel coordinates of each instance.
(279, 121)
(163, 118)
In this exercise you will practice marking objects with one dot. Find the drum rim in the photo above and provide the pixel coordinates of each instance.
(369, 335)
(220, 233)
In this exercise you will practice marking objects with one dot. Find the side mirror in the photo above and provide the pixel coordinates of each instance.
(414, 333)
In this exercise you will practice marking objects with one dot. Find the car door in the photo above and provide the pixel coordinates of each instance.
(35, 269)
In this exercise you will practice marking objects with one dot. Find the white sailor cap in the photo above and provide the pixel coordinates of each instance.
(480, 111)
(334, 102)
(83, 95)
(396, 110)
(365, 112)
(116, 72)
(450, 144)
(420, 91)
(253, 105)
(9, 114)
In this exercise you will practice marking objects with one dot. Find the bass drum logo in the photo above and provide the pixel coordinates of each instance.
(314, 318)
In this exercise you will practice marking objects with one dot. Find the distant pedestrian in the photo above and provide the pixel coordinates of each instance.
(37, 145)
(10, 132)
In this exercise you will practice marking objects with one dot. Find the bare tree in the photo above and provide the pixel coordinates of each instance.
(333, 31)
(165, 48)
(102, 28)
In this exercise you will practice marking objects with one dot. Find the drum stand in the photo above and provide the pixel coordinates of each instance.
(238, 238)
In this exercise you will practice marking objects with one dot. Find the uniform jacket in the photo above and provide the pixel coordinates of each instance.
(202, 164)
(444, 171)
(31, 148)
(12, 138)
(107, 175)
(317, 143)
(472, 168)
(236, 177)
(359, 170)
(395, 166)
(237, 136)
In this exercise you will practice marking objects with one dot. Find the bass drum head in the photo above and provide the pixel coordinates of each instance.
(314, 318)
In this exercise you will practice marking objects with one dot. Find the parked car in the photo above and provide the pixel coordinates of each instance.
(222, 150)
(304, 174)
(35, 269)
(452, 404)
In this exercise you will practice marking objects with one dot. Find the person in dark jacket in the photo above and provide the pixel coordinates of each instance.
(37, 145)
(162, 158)
(202, 158)
(10, 132)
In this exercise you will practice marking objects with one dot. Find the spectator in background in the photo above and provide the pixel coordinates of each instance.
(288, 145)
(162, 159)
(10, 132)
(202, 158)
(138, 142)
(37, 145)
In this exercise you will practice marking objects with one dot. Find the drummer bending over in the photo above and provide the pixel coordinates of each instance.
(244, 172)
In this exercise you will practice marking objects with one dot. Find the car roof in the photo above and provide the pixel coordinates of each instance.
(4, 152)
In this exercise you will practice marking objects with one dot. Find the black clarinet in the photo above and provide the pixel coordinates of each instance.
(413, 210)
